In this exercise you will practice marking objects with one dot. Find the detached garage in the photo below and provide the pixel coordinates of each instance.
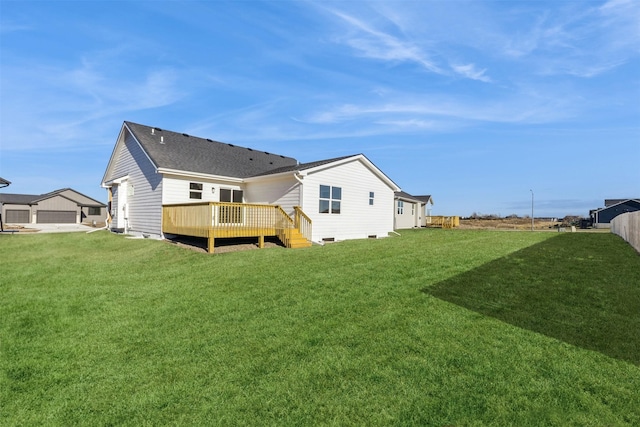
(65, 206)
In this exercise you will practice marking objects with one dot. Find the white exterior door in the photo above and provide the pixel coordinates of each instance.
(122, 213)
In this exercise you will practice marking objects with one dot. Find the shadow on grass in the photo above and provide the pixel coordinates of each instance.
(580, 288)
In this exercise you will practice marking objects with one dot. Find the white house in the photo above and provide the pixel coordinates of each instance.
(151, 169)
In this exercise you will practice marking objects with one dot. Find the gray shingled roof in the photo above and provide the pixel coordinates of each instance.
(19, 199)
(304, 166)
(31, 199)
(424, 199)
(182, 152)
(406, 196)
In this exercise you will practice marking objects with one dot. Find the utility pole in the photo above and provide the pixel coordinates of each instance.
(531, 210)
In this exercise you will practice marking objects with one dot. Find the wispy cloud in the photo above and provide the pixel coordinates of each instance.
(471, 72)
(578, 41)
(61, 105)
(377, 44)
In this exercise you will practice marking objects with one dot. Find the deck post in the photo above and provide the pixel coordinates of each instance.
(211, 241)
(261, 242)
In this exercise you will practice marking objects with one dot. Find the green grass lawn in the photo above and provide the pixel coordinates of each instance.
(434, 327)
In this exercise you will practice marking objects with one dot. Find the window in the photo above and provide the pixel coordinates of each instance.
(230, 214)
(195, 190)
(229, 195)
(94, 210)
(413, 208)
(330, 199)
(400, 207)
(371, 198)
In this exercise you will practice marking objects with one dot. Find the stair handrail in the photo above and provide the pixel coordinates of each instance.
(302, 222)
(284, 223)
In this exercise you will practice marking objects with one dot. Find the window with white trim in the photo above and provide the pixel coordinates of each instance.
(371, 196)
(400, 207)
(195, 190)
(330, 199)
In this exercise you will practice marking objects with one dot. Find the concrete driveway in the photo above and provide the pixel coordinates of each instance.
(49, 228)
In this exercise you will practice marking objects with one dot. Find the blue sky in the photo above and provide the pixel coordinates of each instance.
(476, 103)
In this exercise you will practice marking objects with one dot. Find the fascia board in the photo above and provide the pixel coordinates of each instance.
(120, 142)
(187, 174)
(113, 155)
(109, 183)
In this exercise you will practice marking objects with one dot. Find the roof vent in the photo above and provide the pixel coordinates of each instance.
(266, 153)
(231, 145)
(249, 149)
(162, 140)
(251, 158)
(153, 131)
(185, 134)
(210, 140)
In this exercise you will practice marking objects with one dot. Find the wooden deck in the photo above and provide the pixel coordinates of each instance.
(213, 220)
(443, 221)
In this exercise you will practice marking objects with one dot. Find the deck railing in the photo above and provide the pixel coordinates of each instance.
(229, 220)
(302, 222)
(443, 221)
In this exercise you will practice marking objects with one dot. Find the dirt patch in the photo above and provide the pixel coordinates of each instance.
(12, 228)
(508, 224)
(199, 244)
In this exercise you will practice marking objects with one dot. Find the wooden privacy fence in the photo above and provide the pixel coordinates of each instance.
(231, 220)
(443, 221)
(627, 226)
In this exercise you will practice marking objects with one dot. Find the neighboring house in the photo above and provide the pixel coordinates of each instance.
(408, 211)
(61, 206)
(153, 174)
(601, 218)
(427, 205)
(411, 211)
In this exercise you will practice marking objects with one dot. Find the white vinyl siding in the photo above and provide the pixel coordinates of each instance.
(357, 219)
(177, 189)
(284, 192)
(145, 193)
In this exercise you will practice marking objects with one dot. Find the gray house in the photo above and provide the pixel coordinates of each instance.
(64, 206)
(601, 218)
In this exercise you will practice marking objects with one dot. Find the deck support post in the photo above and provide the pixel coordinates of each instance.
(261, 242)
(210, 242)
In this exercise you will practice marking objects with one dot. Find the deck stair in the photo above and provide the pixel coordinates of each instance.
(296, 240)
